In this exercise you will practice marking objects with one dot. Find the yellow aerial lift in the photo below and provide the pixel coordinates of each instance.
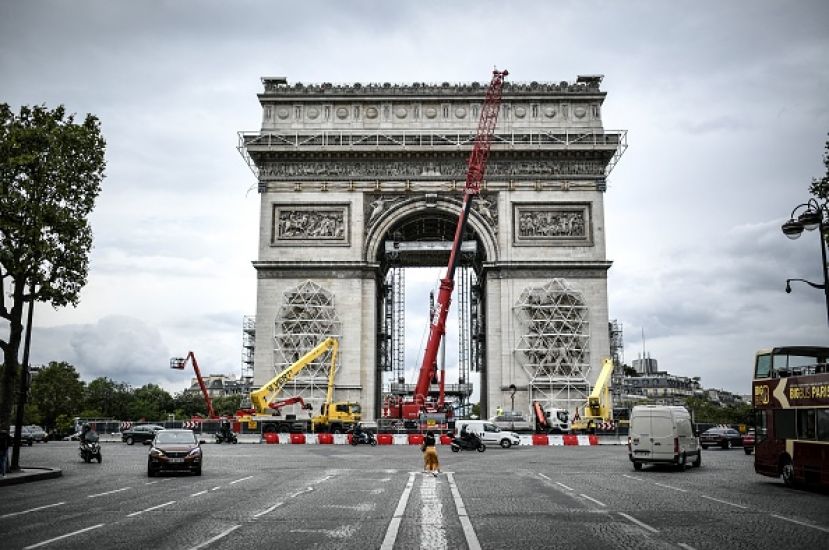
(599, 407)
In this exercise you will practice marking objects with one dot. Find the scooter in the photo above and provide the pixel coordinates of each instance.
(90, 448)
(230, 438)
(470, 442)
(364, 438)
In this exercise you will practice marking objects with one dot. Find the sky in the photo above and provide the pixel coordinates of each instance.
(724, 104)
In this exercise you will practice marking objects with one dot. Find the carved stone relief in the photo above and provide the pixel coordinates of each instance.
(551, 224)
(450, 169)
(317, 223)
(376, 206)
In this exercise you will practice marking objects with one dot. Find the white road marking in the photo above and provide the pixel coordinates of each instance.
(592, 499)
(151, 482)
(199, 493)
(215, 488)
(73, 533)
(818, 527)
(565, 486)
(342, 532)
(306, 490)
(149, 509)
(31, 510)
(238, 480)
(685, 546)
(639, 523)
(468, 531)
(432, 528)
(394, 525)
(268, 510)
(109, 492)
(633, 477)
(724, 502)
(671, 487)
(217, 537)
(545, 477)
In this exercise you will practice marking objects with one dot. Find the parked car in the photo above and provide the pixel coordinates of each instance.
(175, 450)
(26, 437)
(720, 437)
(512, 422)
(38, 434)
(748, 442)
(488, 432)
(141, 434)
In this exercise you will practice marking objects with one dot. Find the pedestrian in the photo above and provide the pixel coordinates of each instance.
(5, 443)
(430, 455)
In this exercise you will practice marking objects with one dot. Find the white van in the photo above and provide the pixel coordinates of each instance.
(663, 435)
(489, 433)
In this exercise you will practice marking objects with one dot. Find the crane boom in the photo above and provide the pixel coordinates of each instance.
(476, 170)
(178, 363)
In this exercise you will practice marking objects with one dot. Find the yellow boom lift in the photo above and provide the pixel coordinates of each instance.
(599, 406)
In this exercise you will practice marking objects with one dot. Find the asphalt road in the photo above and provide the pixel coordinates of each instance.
(282, 496)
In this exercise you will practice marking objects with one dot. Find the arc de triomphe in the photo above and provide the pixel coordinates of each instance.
(358, 179)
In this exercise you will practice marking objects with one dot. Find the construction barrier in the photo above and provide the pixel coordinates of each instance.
(384, 439)
(298, 439)
(271, 438)
(325, 439)
(445, 439)
(415, 439)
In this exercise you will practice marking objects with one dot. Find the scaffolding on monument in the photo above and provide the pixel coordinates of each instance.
(305, 318)
(248, 345)
(554, 346)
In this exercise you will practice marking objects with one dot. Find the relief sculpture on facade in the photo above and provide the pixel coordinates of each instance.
(551, 223)
(310, 223)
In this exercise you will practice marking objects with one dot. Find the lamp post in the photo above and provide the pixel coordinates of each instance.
(815, 216)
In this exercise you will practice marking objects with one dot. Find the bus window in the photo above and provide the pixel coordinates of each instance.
(806, 423)
(823, 424)
(762, 368)
(760, 429)
(784, 427)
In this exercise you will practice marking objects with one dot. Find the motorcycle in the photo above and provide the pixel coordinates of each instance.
(90, 448)
(364, 438)
(226, 438)
(470, 442)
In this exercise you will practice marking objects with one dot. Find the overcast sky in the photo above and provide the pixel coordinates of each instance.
(724, 103)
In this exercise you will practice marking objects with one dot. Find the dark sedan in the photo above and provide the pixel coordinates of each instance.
(175, 450)
(720, 437)
(140, 434)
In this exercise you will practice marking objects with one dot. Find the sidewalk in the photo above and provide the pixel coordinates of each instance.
(25, 475)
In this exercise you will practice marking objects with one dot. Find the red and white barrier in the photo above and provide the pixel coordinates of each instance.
(526, 440)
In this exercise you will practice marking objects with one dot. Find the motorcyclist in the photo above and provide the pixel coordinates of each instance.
(358, 432)
(85, 429)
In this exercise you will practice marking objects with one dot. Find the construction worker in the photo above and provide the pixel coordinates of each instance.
(499, 411)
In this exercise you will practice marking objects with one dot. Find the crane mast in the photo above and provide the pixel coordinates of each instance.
(476, 170)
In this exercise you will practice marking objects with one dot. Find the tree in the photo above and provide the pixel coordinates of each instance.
(188, 404)
(151, 402)
(227, 405)
(820, 187)
(112, 399)
(50, 175)
(57, 390)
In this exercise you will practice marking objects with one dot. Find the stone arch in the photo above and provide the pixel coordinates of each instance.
(401, 210)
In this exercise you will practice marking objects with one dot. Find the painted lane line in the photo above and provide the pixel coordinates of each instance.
(149, 509)
(216, 488)
(545, 477)
(593, 500)
(199, 493)
(238, 480)
(296, 494)
(685, 546)
(671, 487)
(268, 510)
(639, 523)
(217, 537)
(109, 492)
(468, 531)
(565, 486)
(803, 523)
(724, 502)
(32, 510)
(151, 482)
(432, 528)
(394, 525)
(73, 533)
(633, 477)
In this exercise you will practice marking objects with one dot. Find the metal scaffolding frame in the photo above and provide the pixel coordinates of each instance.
(248, 345)
(554, 348)
(305, 318)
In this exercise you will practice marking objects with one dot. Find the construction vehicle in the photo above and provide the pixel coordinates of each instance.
(597, 413)
(334, 417)
(550, 420)
(421, 405)
(179, 363)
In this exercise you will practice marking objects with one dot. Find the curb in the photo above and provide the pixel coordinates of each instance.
(27, 475)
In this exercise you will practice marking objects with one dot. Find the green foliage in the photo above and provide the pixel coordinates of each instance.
(51, 170)
(227, 405)
(56, 390)
(476, 410)
(820, 187)
(704, 410)
(188, 405)
(111, 398)
(151, 402)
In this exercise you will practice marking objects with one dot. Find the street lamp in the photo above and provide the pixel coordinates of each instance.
(815, 216)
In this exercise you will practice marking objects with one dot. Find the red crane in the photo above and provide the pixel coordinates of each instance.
(179, 363)
(474, 177)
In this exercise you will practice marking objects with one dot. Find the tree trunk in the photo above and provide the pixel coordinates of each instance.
(10, 357)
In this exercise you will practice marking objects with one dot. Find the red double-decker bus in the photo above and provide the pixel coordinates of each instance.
(790, 395)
